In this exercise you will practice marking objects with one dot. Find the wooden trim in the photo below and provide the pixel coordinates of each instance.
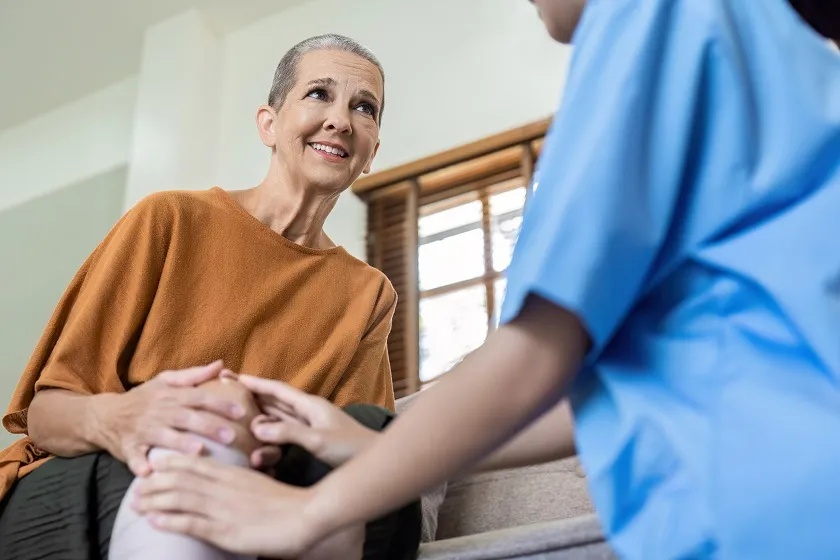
(397, 189)
(412, 300)
(537, 146)
(505, 178)
(526, 167)
(504, 186)
(487, 226)
(447, 200)
(479, 168)
(378, 253)
(513, 137)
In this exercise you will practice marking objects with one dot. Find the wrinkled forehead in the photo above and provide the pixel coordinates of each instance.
(341, 69)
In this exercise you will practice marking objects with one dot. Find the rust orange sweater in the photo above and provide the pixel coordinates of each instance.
(186, 278)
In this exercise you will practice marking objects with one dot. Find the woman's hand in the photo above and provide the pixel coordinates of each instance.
(165, 412)
(311, 422)
(236, 509)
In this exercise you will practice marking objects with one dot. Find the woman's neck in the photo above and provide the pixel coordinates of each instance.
(297, 214)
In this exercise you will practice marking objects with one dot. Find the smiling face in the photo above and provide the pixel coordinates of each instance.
(326, 132)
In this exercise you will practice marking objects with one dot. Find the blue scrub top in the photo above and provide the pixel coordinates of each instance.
(688, 211)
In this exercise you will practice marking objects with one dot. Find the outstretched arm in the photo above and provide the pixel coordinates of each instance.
(292, 416)
(549, 438)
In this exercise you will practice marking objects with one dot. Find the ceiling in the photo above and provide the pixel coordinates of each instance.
(56, 51)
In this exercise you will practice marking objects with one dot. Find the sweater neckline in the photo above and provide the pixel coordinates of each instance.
(266, 231)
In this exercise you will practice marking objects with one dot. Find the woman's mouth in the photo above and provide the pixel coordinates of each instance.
(333, 153)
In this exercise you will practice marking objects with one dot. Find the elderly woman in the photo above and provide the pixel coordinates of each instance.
(247, 278)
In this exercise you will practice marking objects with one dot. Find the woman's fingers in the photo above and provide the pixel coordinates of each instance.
(170, 438)
(190, 377)
(207, 424)
(136, 458)
(198, 398)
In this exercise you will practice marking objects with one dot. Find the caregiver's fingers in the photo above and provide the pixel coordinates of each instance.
(266, 458)
(274, 409)
(192, 466)
(282, 392)
(228, 374)
(283, 433)
(171, 499)
(190, 524)
(274, 414)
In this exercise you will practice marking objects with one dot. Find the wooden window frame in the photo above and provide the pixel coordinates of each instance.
(395, 198)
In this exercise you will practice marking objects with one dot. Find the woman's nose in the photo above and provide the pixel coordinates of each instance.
(338, 120)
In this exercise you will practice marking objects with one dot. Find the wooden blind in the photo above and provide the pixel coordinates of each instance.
(395, 198)
(392, 248)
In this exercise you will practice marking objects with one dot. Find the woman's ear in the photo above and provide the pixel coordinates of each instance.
(266, 119)
(366, 170)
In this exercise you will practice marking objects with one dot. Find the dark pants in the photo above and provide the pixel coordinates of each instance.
(65, 509)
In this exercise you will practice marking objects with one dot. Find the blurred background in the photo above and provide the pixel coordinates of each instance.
(103, 102)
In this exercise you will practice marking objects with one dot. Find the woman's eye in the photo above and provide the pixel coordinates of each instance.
(317, 94)
(367, 108)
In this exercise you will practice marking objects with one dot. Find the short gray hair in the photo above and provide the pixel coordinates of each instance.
(285, 76)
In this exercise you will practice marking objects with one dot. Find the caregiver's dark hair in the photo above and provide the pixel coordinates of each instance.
(822, 15)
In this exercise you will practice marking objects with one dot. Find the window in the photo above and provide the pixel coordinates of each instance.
(465, 246)
(443, 230)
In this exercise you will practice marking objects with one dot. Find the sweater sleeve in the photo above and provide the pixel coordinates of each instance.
(87, 344)
(368, 377)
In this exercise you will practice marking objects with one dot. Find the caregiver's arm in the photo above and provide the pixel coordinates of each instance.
(549, 438)
(292, 416)
(445, 433)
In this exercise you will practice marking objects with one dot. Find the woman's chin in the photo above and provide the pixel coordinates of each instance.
(329, 182)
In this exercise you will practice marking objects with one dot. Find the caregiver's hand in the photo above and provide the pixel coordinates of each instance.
(311, 422)
(236, 509)
(161, 412)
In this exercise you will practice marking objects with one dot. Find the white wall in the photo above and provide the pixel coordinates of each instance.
(69, 144)
(177, 115)
(62, 184)
(456, 71)
(42, 244)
